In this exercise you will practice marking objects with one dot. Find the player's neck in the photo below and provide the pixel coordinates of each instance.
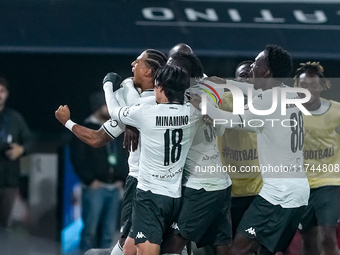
(164, 101)
(315, 105)
(147, 85)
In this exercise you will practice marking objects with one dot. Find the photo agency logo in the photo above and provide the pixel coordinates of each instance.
(282, 97)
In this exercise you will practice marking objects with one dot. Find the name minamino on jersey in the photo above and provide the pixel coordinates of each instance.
(165, 121)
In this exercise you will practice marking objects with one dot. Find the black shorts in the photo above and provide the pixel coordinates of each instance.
(238, 207)
(270, 225)
(205, 217)
(322, 209)
(129, 191)
(152, 215)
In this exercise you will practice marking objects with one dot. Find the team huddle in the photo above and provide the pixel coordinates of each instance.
(168, 203)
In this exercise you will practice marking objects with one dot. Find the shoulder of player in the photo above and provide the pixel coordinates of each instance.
(334, 109)
(334, 104)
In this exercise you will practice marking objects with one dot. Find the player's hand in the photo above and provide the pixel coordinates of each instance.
(195, 99)
(114, 78)
(15, 151)
(63, 114)
(131, 138)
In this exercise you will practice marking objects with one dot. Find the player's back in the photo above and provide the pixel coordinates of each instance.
(165, 141)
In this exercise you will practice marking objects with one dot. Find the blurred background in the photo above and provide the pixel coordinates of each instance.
(56, 52)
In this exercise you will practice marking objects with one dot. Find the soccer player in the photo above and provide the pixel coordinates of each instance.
(205, 205)
(165, 138)
(239, 148)
(144, 68)
(322, 157)
(274, 214)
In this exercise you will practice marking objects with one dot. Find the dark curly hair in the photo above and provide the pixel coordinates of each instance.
(189, 62)
(154, 60)
(279, 61)
(312, 68)
(173, 80)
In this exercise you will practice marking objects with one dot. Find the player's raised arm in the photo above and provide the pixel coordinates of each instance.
(110, 84)
(219, 84)
(94, 138)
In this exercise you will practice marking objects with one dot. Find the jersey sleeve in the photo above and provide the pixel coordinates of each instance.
(223, 118)
(113, 128)
(252, 117)
(132, 115)
(131, 95)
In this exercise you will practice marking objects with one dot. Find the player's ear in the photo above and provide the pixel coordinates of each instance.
(267, 73)
(148, 72)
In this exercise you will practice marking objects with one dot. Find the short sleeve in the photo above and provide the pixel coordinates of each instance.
(132, 115)
(113, 128)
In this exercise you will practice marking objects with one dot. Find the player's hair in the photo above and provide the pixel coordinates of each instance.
(313, 68)
(154, 60)
(279, 61)
(180, 47)
(173, 81)
(4, 82)
(189, 62)
(245, 62)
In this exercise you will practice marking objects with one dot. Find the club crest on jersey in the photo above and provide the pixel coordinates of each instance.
(126, 112)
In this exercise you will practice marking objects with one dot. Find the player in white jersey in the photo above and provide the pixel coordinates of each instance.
(165, 141)
(205, 207)
(144, 68)
(274, 214)
(238, 149)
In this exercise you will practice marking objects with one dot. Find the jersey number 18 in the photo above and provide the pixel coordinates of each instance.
(172, 151)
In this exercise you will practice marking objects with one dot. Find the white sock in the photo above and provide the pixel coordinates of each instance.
(117, 250)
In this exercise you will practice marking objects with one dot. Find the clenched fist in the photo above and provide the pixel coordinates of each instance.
(63, 114)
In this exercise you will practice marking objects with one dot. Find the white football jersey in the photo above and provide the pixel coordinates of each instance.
(280, 148)
(165, 141)
(203, 167)
(114, 128)
(280, 141)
